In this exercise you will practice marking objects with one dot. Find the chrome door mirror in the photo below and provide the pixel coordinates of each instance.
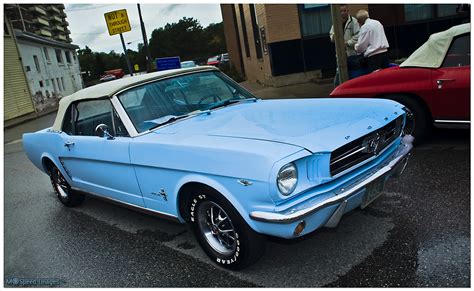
(102, 130)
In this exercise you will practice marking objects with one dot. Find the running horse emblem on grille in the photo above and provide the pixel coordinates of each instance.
(373, 144)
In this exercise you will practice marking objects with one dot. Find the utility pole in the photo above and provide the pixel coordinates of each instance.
(145, 42)
(126, 55)
(339, 43)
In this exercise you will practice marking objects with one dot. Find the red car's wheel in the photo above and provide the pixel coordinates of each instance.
(418, 121)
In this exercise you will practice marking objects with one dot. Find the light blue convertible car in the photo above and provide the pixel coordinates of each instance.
(193, 146)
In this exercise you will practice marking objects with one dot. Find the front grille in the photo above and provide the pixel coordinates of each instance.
(364, 147)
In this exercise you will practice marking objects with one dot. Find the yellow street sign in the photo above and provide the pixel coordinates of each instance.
(117, 21)
(136, 67)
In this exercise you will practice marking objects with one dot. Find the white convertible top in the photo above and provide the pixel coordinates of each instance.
(431, 54)
(108, 89)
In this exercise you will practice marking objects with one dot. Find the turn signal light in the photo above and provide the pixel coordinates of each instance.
(299, 228)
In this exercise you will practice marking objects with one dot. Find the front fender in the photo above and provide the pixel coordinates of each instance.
(243, 198)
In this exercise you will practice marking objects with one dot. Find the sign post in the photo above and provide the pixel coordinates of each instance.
(118, 23)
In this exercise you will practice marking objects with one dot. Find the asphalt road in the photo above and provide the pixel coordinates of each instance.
(416, 234)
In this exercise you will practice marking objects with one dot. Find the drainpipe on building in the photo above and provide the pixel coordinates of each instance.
(339, 43)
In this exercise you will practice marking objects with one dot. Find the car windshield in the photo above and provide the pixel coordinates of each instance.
(163, 101)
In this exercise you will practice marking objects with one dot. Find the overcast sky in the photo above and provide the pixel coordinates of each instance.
(88, 27)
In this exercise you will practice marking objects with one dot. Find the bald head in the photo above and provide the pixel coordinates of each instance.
(362, 16)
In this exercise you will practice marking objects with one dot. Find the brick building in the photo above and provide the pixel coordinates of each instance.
(281, 44)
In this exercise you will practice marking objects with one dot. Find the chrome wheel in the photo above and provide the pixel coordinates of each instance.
(409, 122)
(217, 228)
(59, 183)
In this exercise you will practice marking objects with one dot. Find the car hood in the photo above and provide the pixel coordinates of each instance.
(318, 125)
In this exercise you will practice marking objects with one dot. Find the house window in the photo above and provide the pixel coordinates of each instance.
(37, 65)
(59, 56)
(62, 82)
(27, 68)
(68, 57)
(244, 30)
(315, 19)
(41, 84)
(54, 86)
(414, 12)
(59, 84)
(46, 54)
(47, 83)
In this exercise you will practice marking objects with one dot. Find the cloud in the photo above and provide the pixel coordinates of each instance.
(167, 9)
(94, 33)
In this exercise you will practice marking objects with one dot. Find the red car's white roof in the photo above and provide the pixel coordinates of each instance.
(431, 54)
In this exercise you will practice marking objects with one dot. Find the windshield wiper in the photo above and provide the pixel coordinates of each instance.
(230, 101)
(172, 118)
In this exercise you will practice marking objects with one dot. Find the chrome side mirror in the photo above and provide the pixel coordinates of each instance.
(102, 130)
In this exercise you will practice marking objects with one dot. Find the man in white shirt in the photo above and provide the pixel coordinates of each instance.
(351, 33)
(372, 42)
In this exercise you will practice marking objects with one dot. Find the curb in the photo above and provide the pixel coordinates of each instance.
(27, 117)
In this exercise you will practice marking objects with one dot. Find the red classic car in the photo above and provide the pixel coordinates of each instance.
(433, 83)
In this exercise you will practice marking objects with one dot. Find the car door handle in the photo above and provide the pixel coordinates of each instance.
(440, 82)
(69, 144)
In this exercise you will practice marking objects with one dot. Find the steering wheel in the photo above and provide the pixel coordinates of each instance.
(215, 98)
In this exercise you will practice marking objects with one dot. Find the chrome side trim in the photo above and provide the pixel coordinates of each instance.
(400, 155)
(453, 121)
(148, 211)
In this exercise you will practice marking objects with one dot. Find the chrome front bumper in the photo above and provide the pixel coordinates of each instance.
(393, 167)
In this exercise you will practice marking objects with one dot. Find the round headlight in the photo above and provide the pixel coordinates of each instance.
(287, 179)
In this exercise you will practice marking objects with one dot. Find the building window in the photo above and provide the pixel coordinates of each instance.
(59, 56)
(37, 65)
(54, 86)
(47, 83)
(41, 84)
(27, 68)
(46, 54)
(446, 9)
(59, 84)
(68, 57)
(414, 12)
(74, 56)
(62, 82)
(315, 19)
(244, 30)
(256, 34)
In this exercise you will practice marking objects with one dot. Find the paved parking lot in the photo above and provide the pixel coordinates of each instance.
(416, 234)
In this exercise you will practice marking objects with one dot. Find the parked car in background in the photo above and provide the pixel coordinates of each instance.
(433, 83)
(192, 145)
(118, 73)
(214, 61)
(107, 77)
(188, 64)
(224, 58)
